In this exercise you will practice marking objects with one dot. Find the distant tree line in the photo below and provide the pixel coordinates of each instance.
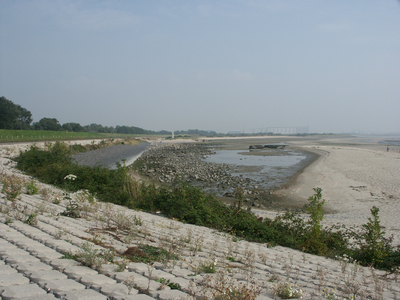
(13, 116)
(197, 132)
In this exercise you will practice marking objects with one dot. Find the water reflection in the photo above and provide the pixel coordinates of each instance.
(267, 169)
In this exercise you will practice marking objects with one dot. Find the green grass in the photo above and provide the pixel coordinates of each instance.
(9, 136)
(147, 254)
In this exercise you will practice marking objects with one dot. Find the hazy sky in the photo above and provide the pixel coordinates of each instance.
(213, 65)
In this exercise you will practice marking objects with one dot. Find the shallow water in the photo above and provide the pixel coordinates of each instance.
(269, 168)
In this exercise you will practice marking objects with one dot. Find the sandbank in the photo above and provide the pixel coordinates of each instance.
(354, 177)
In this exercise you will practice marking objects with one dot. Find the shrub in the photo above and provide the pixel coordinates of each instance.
(12, 186)
(31, 188)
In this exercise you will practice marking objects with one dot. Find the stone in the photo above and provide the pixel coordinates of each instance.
(41, 297)
(30, 267)
(96, 280)
(116, 290)
(12, 279)
(21, 291)
(171, 295)
(76, 272)
(138, 297)
(88, 294)
(18, 259)
(60, 287)
(40, 276)
(6, 269)
(61, 264)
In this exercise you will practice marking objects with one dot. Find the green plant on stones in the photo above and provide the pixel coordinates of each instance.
(86, 202)
(60, 232)
(330, 294)
(147, 254)
(285, 290)
(172, 285)
(92, 257)
(12, 186)
(220, 287)
(121, 265)
(72, 210)
(31, 188)
(375, 248)
(31, 220)
(314, 207)
(70, 256)
(239, 197)
(130, 283)
(208, 266)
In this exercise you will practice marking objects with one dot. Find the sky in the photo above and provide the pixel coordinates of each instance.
(222, 65)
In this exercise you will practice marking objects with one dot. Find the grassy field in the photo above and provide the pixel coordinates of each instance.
(12, 136)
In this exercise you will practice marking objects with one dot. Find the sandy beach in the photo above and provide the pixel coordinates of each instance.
(354, 177)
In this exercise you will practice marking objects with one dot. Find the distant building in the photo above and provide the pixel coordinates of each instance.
(172, 135)
(288, 130)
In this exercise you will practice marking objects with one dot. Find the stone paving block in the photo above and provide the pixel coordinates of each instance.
(171, 295)
(20, 259)
(181, 272)
(143, 284)
(88, 294)
(62, 246)
(29, 267)
(46, 255)
(11, 251)
(4, 245)
(13, 279)
(140, 282)
(116, 290)
(263, 297)
(61, 264)
(108, 269)
(36, 247)
(22, 291)
(41, 297)
(76, 272)
(24, 244)
(157, 274)
(139, 268)
(138, 297)
(6, 269)
(96, 280)
(40, 276)
(122, 276)
(60, 287)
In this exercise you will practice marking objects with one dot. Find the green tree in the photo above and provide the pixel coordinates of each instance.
(75, 127)
(13, 116)
(48, 124)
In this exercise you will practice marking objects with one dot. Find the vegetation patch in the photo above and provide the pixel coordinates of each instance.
(147, 254)
(191, 205)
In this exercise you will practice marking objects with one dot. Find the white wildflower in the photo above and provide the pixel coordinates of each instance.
(70, 177)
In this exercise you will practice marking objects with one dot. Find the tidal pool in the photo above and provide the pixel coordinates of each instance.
(267, 168)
